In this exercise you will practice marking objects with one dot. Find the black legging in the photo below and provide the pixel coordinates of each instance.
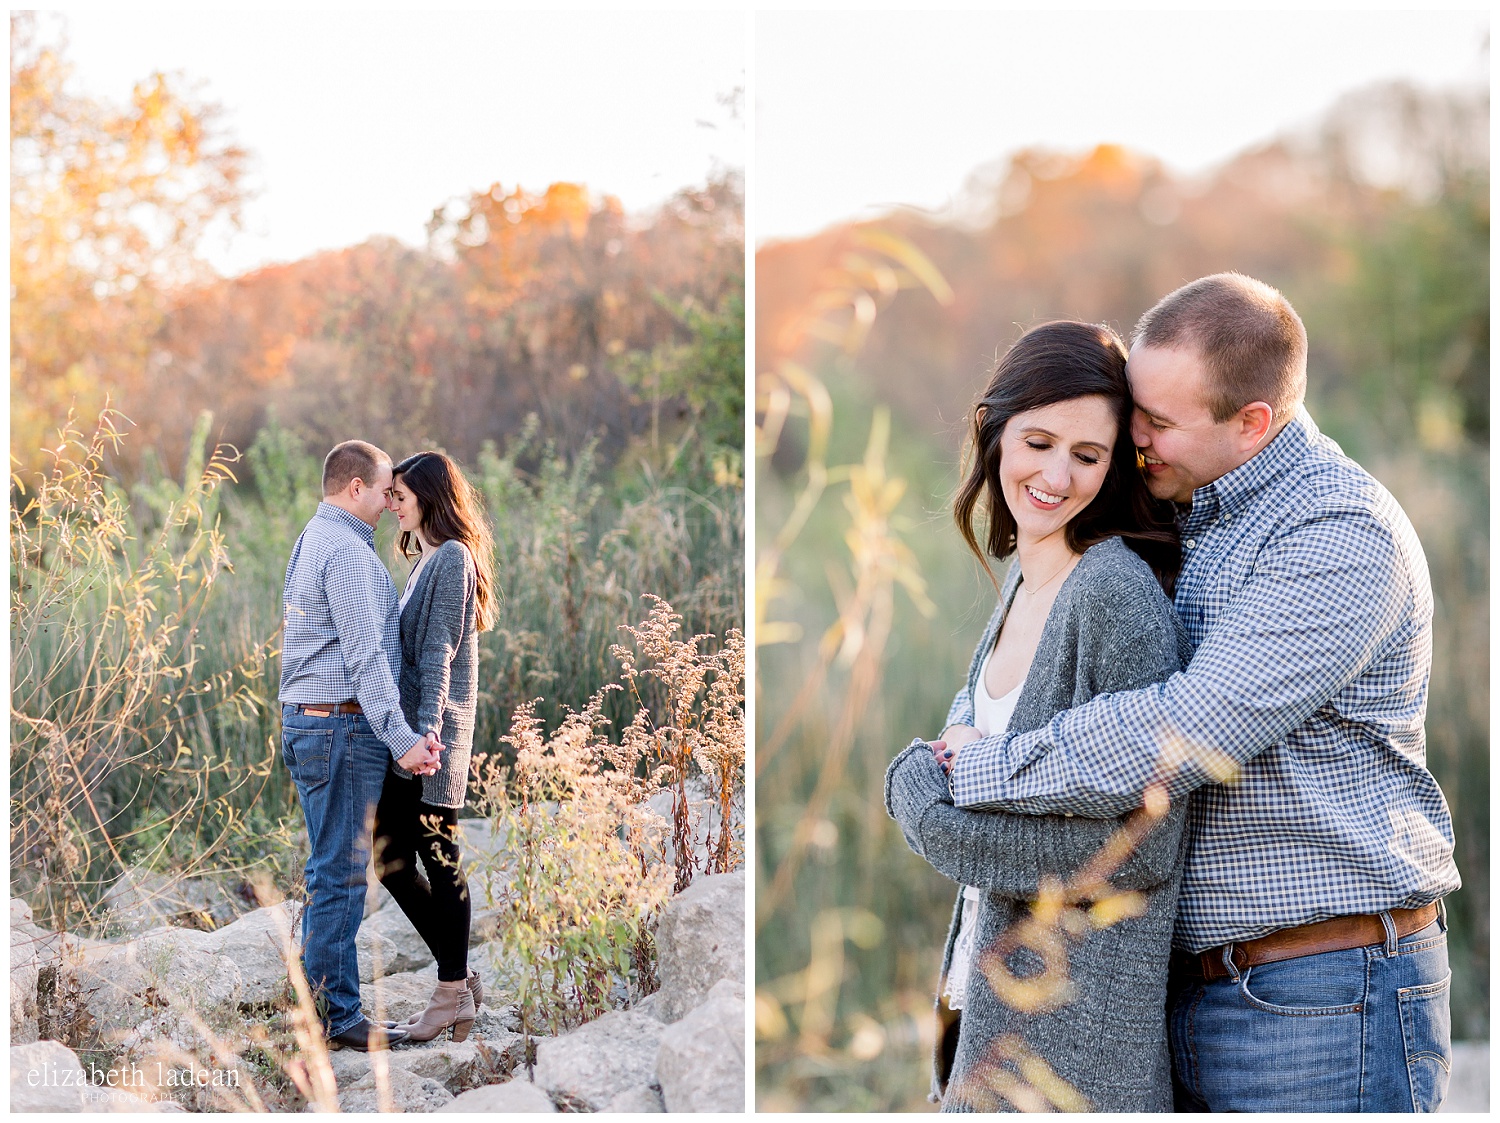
(438, 905)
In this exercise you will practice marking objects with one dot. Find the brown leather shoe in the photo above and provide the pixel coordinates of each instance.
(365, 1036)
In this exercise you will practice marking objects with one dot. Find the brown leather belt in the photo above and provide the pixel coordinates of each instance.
(327, 709)
(1338, 934)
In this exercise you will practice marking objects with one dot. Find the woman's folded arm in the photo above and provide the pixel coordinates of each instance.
(1011, 854)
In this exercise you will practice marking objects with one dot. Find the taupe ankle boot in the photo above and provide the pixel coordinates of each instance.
(451, 1006)
(476, 988)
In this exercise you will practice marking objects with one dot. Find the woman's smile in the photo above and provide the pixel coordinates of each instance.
(1045, 500)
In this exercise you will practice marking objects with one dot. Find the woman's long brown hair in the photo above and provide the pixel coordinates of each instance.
(1051, 363)
(451, 510)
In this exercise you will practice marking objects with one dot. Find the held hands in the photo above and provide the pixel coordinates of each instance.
(945, 749)
(423, 758)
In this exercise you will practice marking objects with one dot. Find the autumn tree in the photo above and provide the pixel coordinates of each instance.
(109, 205)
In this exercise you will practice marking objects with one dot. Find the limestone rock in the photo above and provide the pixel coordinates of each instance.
(642, 1099)
(410, 952)
(25, 971)
(45, 1076)
(256, 942)
(142, 899)
(376, 954)
(647, 1006)
(408, 1092)
(517, 1095)
(701, 1060)
(152, 979)
(700, 939)
(456, 1065)
(600, 1059)
(461, 1065)
(399, 996)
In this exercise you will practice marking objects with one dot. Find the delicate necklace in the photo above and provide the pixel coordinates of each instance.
(1056, 573)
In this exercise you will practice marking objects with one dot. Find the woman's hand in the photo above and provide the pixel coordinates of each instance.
(955, 737)
(423, 758)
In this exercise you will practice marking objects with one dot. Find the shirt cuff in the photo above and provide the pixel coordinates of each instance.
(406, 745)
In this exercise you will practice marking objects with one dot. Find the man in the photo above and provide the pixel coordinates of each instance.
(1312, 964)
(341, 720)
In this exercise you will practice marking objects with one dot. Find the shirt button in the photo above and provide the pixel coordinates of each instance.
(1190, 543)
(1069, 814)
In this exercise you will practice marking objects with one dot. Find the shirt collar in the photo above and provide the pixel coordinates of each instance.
(1235, 488)
(338, 514)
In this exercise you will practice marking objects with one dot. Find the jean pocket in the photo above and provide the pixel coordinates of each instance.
(1425, 1034)
(305, 752)
(1308, 986)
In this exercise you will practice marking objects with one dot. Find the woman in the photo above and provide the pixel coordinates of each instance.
(448, 600)
(1082, 612)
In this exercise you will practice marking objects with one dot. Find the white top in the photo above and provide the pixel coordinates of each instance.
(991, 715)
(411, 578)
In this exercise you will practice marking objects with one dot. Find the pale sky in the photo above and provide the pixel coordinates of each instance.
(857, 112)
(362, 123)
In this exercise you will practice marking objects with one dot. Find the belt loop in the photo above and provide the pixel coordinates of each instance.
(1228, 956)
(1391, 939)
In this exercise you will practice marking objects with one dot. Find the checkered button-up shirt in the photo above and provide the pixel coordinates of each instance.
(1297, 727)
(342, 630)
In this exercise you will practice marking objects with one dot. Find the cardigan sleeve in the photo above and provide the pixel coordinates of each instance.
(445, 602)
(1008, 853)
(1127, 641)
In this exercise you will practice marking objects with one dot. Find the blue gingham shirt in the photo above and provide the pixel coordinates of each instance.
(1297, 727)
(341, 638)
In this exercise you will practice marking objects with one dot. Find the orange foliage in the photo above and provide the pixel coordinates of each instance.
(1098, 235)
(108, 205)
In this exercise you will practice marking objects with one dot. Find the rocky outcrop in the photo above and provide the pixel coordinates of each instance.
(700, 939)
(26, 958)
(701, 1059)
(457, 1065)
(405, 949)
(142, 899)
(636, 1100)
(45, 1076)
(258, 942)
(176, 991)
(596, 1062)
(500, 1099)
(406, 1091)
(163, 978)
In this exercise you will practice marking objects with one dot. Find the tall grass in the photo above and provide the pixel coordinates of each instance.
(146, 628)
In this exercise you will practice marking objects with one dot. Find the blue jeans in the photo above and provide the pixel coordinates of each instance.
(1365, 1029)
(339, 766)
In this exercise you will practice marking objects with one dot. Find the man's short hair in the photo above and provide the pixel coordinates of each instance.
(351, 460)
(1251, 340)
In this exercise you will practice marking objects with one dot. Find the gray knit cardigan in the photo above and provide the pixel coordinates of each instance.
(1110, 629)
(440, 667)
